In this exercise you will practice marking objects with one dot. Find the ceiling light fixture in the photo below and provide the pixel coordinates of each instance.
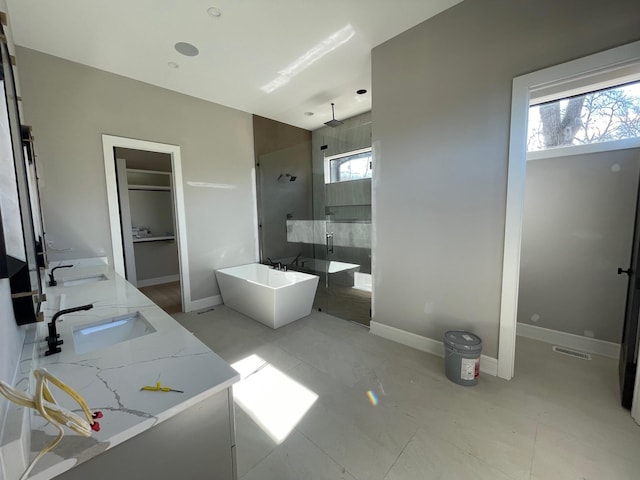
(186, 49)
(308, 58)
(214, 12)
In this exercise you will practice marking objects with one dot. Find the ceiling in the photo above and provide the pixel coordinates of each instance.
(280, 59)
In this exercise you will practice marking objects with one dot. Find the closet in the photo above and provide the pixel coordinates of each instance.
(147, 219)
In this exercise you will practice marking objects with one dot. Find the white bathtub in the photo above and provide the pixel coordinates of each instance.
(270, 296)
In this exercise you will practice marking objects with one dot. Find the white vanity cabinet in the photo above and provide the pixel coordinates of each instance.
(197, 444)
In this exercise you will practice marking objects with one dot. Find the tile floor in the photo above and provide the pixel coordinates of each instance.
(557, 419)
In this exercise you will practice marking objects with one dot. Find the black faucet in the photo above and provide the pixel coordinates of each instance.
(52, 339)
(52, 281)
(278, 265)
(295, 260)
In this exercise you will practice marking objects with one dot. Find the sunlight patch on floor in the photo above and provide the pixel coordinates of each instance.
(272, 399)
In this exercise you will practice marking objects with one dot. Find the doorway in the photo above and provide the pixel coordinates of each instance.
(147, 217)
(575, 76)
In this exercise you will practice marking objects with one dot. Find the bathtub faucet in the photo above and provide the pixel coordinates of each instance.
(295, 260)
(272, 263)
(277, 266)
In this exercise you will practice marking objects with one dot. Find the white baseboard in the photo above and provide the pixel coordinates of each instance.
(157, 281)
(488, 365)
(577, 342)
(203, 303)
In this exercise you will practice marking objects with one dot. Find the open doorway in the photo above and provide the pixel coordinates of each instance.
(147, 219)
(599, 71)
(146, 208)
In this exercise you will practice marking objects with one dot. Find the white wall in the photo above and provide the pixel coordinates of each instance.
(70, 105)
(441, 107)
(579, 213)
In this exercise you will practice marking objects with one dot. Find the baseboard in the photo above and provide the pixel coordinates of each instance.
(157, 281)
(203, 303)
(488, 365)
(577, 342)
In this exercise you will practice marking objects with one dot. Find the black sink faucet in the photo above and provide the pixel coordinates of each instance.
(52, 339)
(52, 281)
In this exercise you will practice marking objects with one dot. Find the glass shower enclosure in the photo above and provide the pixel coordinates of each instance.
(314, 213)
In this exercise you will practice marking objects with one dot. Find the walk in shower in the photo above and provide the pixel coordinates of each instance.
(314, 208)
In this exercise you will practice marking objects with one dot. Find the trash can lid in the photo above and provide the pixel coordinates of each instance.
(464, 341)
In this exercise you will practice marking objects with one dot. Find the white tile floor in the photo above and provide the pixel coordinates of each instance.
(557, 419)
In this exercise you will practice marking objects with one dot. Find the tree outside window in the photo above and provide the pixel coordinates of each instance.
(595, 117)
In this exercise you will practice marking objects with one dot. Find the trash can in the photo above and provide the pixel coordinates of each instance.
(462, 357)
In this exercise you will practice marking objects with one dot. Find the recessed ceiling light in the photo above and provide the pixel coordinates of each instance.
(186, 49)
(214, 12)
(173, 65)
(362, 91)
(309, 114)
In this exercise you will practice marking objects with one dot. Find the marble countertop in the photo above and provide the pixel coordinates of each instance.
(110, 378)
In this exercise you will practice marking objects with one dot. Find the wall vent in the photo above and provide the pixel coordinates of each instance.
(573, 353)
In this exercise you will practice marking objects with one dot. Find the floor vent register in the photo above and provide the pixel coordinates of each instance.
(573, 353)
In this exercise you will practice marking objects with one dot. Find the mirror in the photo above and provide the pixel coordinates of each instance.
(20, 260)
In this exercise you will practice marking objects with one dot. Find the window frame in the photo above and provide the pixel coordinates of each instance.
(330, 158)
(586, 84)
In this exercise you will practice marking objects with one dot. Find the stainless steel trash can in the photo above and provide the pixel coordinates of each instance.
(462, 357)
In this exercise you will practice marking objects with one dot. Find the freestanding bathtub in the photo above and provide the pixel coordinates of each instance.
(270, 296)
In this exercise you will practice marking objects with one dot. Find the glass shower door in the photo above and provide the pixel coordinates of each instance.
(348, 269)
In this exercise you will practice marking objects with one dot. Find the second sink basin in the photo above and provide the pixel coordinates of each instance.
(110, 331)
(82, 280)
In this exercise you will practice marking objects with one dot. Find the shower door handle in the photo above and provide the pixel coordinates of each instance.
(329, 242)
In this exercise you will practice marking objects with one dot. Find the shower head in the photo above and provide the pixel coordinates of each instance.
(333, 122)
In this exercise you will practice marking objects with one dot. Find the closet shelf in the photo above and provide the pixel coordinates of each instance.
(161, 188)
(154, 239)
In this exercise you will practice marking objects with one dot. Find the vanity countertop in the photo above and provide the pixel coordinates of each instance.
(110, 378)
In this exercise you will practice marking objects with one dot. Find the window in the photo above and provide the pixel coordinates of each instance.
(354, 165)
(599, 116)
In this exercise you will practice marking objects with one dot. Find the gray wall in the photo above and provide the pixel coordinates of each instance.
(70, 106)
(281, 149)
(441, 112)
(578, 225)
(281, 199)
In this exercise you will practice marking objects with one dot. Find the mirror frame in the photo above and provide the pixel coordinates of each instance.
(24, 275)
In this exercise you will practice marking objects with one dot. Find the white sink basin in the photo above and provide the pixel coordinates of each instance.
(82, 280)
(110, 331)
